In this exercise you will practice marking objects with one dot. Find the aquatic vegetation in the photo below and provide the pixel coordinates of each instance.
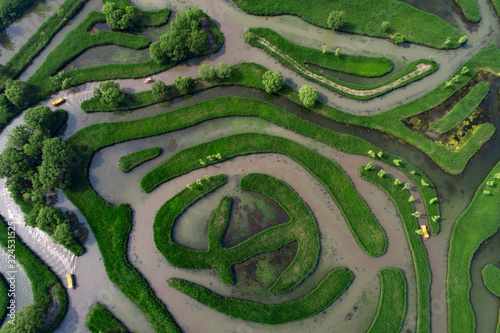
(132, 160)
(100, 319)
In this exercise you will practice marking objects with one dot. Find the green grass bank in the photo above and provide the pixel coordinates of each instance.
(391, 309)
(100, 320)
(363, 225)
(365, 17)
(130, 161)
(419, 253)
(463, 109)
(327, 291)
(479, 221)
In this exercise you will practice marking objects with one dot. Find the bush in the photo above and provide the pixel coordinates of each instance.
(117, 18)
(109, 92)
(308, 95)
(398, 38)
(385, 26)
(223, 70)
(18, 92)
(185, 36)
(206, 72)
(184, 84)
(273, 81)
(336, 20)
(159, 90)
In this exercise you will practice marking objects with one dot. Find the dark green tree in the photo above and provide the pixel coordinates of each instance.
(117, 18)
(159, 90)
(184, 84)
(109, 93)
(206, 72)
(18, 92)
(273, 81)
(308, 95)
(186, 36)
(63, 234)
(40, 117)
(336, 20)
(223, 70)
(49, 218)
(57, 157)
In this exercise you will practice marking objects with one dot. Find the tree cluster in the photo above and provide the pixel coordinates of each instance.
(34, 164)
(184, 84)
(109, 93)
(117, 18)
(185, 37)
(19, 93)
(11, 9)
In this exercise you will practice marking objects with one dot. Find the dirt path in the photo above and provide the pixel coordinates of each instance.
(421, 68)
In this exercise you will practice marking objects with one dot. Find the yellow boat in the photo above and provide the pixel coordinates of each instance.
(71, 285)
(58, 102)
(426, 234)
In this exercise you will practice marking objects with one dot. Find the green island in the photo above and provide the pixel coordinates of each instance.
(132, 160)
(312, 201)
(391, 309)
(101, 319)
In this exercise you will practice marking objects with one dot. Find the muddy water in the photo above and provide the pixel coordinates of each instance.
(16, 35)
(117, 187)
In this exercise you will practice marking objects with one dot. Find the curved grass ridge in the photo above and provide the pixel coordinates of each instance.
(130, 161)
(365, 17)
(470, 8)
(479, 221)
(391, 122)
(353, 64)
(100, 320)
(111, 225)
(491, 279)
(463, 109)
(391, 309)
(327, 291)
(45, 285)
(363, 225)
(301, 228)
(418, 251)
(414, 71)
(250, 75)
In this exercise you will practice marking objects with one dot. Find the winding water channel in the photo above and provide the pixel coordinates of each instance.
(355, 309)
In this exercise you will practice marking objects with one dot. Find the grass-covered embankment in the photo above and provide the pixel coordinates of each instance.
(496, 4)
(100, 320)
(391, 309)
(37, 42)
(365, 17)
(250, 75)
(363, 225)
(295, 57)
(391, 122)
(463, 109)
(144, 18)
(405, 209)
(300, 228)
(142, 69)
(130, 161)
(327, 291)
(79, 40)
(478, 222)
(470, 8)
(491, 279)
(48, 292)
(4, 297)
(353, 64)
